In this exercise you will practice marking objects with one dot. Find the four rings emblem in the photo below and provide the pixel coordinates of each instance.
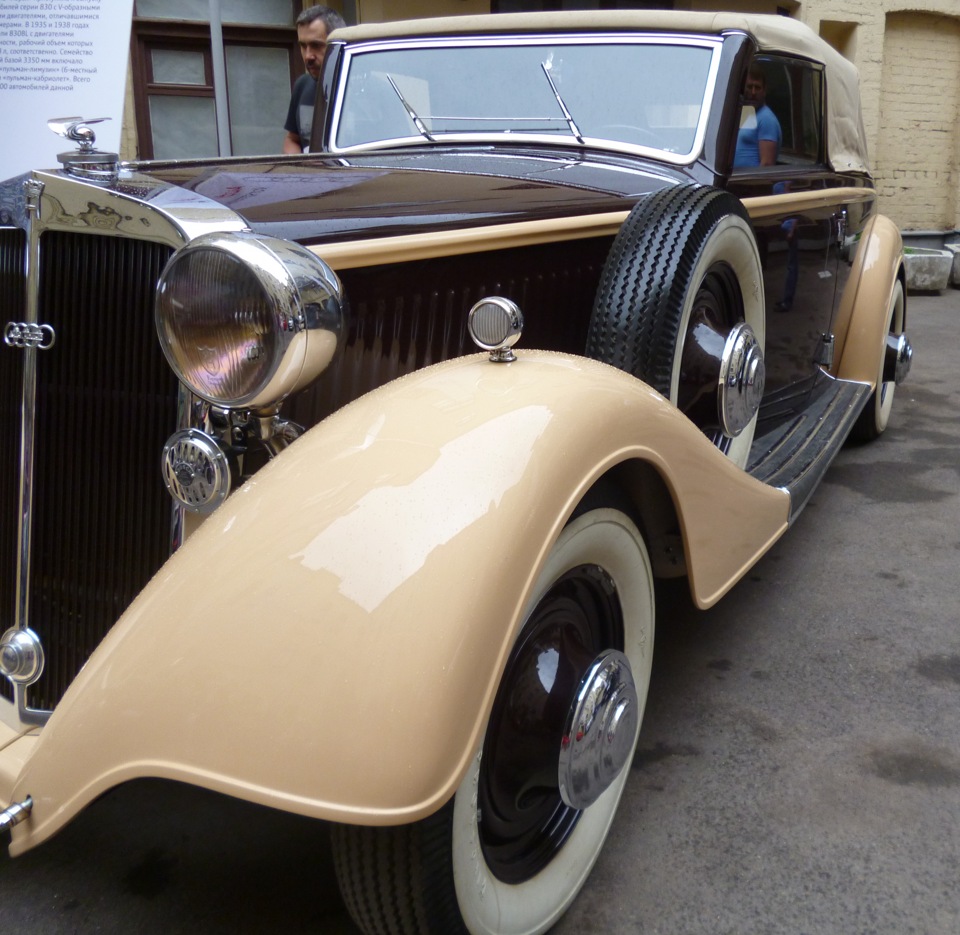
(23, 334)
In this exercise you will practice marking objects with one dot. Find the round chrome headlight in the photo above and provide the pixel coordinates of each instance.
(246, 320)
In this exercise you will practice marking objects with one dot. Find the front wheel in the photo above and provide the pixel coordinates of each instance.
(510, 852)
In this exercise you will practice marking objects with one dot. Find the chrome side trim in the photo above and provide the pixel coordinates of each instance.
(33, 191)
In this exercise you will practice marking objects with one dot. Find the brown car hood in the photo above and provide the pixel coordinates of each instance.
(316, 199)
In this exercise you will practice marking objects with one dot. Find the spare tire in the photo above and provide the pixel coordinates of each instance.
(680, 306)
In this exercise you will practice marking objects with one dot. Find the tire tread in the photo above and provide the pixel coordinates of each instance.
(636, 315)
(398, 880)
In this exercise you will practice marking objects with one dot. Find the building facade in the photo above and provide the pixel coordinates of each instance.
(908, 55)
(907, 52)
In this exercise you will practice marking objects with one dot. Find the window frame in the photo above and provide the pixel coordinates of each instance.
(150, 34)
(792, 123)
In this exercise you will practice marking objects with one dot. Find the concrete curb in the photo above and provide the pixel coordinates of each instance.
(954, 248)
(928, 269)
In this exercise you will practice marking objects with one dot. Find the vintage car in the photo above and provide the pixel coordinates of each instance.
(405, 585)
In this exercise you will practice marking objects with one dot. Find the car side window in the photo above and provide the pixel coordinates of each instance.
(795, 95)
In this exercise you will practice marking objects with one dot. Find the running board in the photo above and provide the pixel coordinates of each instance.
(795, 455)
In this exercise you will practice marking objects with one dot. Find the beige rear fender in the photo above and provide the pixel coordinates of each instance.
(862, 323)
(329, 642)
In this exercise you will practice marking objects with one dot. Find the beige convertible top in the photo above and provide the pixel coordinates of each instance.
(846, 141)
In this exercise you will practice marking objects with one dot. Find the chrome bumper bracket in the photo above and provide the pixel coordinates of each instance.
(14, 814)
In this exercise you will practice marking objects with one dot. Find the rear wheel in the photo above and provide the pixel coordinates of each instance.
(872, 422)
(510, 852)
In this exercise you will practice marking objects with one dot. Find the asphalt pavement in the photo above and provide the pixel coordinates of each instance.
(798, 768)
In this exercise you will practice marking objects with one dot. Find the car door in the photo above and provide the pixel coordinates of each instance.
(802, 220)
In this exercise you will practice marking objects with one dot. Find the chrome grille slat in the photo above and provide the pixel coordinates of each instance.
(13, 245)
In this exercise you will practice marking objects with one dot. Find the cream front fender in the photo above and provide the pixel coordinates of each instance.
(329, 642)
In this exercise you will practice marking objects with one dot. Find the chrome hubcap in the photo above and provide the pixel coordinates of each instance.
(742, 376)
(898, 356)
(523, 820)
(600, 730)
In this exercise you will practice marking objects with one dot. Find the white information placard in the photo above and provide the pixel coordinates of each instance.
(59, 58)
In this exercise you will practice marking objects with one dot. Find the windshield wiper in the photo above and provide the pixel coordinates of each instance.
(411, 113)
(574, 129)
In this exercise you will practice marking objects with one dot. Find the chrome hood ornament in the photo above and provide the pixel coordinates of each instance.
(86, 161)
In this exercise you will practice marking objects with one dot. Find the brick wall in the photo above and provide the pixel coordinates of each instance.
(908, 55)
(916, 164)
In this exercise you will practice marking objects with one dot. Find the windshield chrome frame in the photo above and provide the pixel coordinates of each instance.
(714, 43)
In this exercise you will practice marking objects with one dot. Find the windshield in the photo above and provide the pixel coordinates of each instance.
(636, 92)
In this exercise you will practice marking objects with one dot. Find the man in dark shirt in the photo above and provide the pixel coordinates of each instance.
(313, 27)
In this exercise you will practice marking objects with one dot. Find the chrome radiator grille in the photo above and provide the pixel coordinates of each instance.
(106, 402)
